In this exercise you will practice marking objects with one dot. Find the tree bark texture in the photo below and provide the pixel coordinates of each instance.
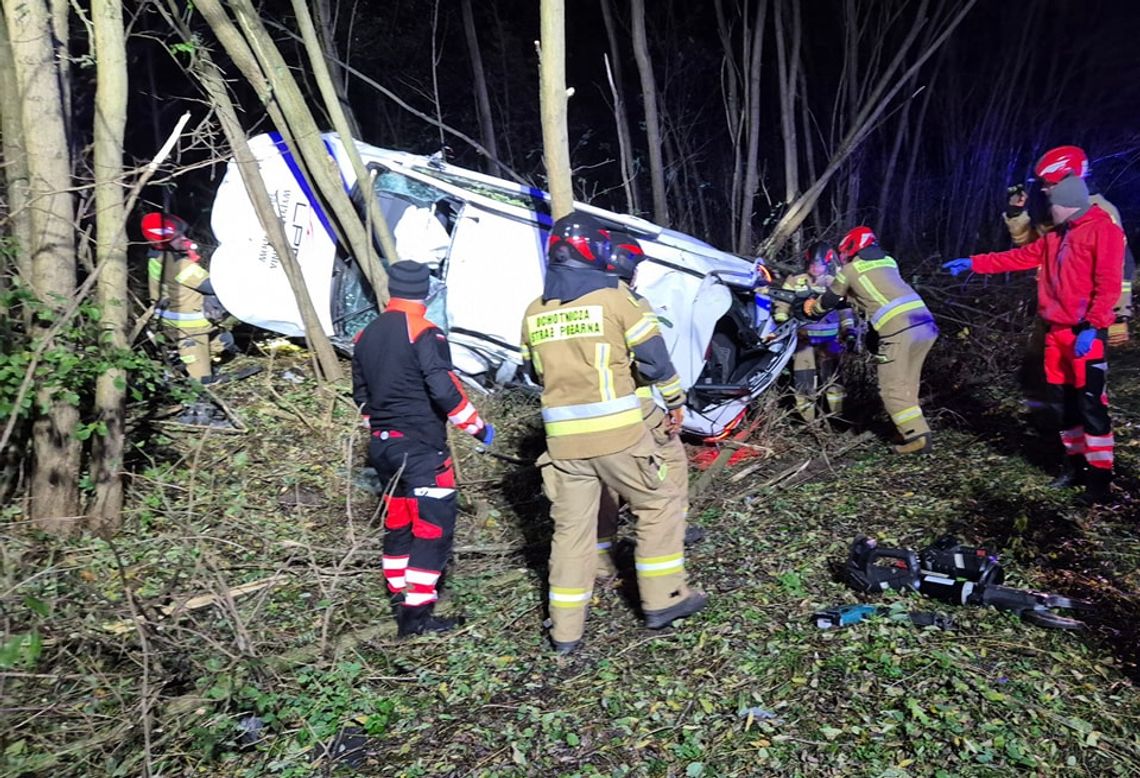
(752, 122)
(553, 100)
(621, 115)
(111, 253)
(54, 487)
(15, 162)
(652, 122)
(482, 96)
(326, 25)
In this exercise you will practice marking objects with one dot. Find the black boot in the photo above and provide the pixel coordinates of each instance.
(418, 619)
(1073, 473)
(1098, 482)
(686, 607)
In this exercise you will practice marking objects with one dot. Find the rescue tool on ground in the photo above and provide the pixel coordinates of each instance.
(957, 574)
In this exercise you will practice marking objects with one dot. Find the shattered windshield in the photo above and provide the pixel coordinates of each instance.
(401, 186)
(532, 201)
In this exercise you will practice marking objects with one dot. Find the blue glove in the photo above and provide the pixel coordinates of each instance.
(957, 266)
(1084, 342)
(487, 435)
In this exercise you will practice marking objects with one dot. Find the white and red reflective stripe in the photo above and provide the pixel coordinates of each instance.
(1098, 451)
(413, 599)
(394, 567)
(466, 418)
(418, 577)
(1073, 439)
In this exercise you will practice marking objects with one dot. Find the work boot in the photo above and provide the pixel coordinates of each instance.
(919, 444)
(687, 607)
(1098, 482)
(565, 648)
(418, 619)
(1072, 474)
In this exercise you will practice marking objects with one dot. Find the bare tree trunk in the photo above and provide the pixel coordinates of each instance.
(215, 87)
(886, 87)
(54, 488)
(621, 118)
(752, 111)
(15, 160)
(906, 231)
(788, 67)
(482, 97)
(652, 123)
(734, 119)
(325, 23)
(110, 253)
(344, 129)
(262, 64)
(808, 133)
(553, 99)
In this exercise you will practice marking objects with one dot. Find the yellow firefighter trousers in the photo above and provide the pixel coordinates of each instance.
(574, 487)
(900, 360)
(816, 366)
(672, 453)
(194, 344)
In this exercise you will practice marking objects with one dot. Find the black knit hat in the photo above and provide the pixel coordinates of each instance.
(408, 280)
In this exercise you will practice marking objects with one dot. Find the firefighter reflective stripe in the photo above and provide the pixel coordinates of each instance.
(188, 359)
(643, 330)
(582, 321)
(605, 372)
(906, 414)
(1073, 440)
(192, 275)
(644, 392)
(826, 330)
(465, 417)
(188, 320)
(652, 567)
(908, 302)
(1098, 449)
(422, 583)
(395, 568)
(569, 597)
(865, 265)
(154, 267)
(1126, 286)
(588, 411)
(671, 389)
(605, 544)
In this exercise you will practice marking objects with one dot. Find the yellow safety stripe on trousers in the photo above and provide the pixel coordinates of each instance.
(569, 597)
(183, 321)
(652, 567)
(582, 321)
(906, 414)
(908, 302)
(154, 267)
(605, 372)
(643, 330)
(192, 275)
(188, 359)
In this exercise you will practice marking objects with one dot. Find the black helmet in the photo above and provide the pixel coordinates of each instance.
(583, 239)
(626, 254)
(820, 252)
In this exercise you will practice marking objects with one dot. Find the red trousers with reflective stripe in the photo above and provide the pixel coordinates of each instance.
(1078, 394)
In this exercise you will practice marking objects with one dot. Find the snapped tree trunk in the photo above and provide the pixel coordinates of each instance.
(552, 100)
(54, 487)
(111, 254)
(482, 96)
(652, 123)
(215, 87)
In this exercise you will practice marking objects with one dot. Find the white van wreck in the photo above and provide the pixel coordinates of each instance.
(484, 239)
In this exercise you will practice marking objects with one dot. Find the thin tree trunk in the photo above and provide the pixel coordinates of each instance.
(15, 161)
(734, 119)
(905, 229)
(111, 253)
(215, 87)
(344, 129)
(552, 100)
(808, 133)
(54, 487)
(621, 117)
(787, 65)
(652, 123)
(326, 24)
(482, 97)
(752, 155)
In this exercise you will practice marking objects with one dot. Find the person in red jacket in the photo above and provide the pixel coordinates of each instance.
(1078, 282)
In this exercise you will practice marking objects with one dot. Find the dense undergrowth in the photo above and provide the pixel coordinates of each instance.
(238, 626)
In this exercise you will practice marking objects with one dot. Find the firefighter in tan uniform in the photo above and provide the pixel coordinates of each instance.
(179, 288)
(870, 279)
(815, 364)
(581, 340)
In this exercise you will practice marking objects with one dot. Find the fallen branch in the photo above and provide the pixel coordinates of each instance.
(195, 603)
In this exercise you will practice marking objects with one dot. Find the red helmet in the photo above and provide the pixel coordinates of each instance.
(855, 241)
(625, 254)
(164, 231)
(820, 252)
(583, 238)
(1058, 164)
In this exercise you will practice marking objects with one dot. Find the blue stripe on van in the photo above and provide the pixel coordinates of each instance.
(287, 155)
